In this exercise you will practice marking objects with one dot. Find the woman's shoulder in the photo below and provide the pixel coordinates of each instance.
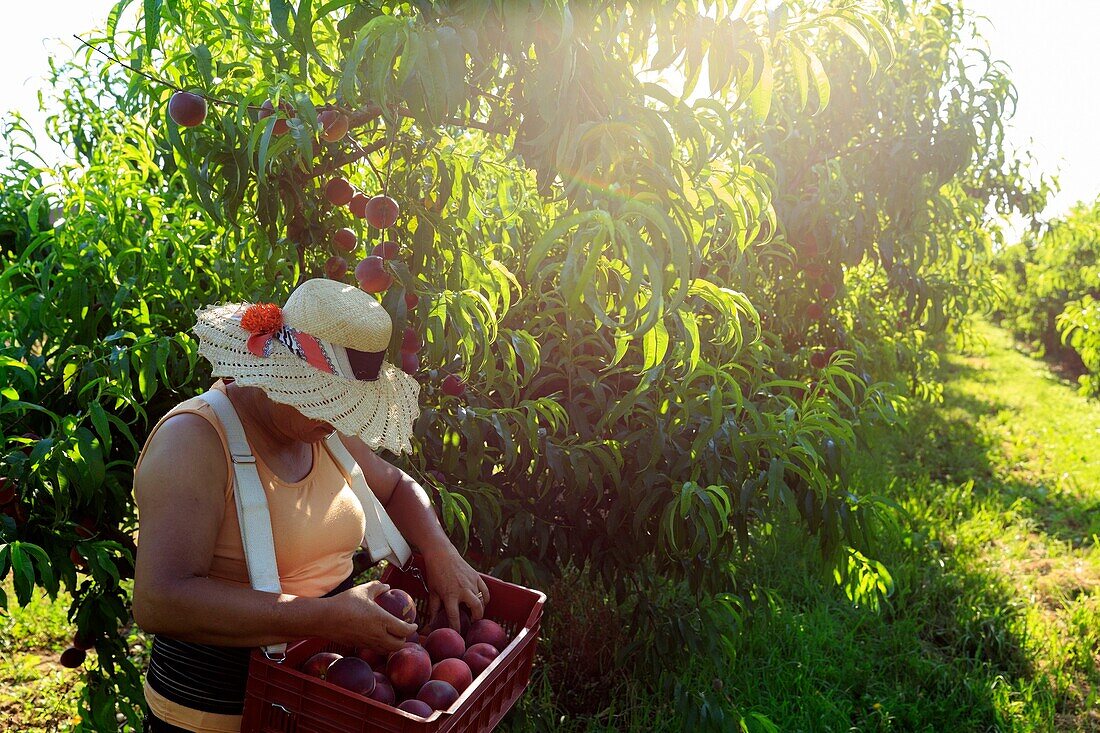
(193, 419)
(187, 439)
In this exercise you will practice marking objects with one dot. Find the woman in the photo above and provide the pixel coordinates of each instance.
(293, 376)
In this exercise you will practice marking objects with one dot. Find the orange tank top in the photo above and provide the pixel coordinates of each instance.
(317, 523)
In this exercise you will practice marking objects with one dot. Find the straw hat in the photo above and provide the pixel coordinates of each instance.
(323, 354)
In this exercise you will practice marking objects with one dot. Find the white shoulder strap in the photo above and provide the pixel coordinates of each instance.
(382, 539)
(252, 511)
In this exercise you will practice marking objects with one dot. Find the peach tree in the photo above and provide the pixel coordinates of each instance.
(1050, 292)
(648, 270)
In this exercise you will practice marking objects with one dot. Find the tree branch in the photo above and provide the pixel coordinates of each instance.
(348, 158)
(150, 77)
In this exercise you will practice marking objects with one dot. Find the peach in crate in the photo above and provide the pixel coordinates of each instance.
(281, 698)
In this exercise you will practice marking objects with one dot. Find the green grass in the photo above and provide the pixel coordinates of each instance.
(37, 695)
(994, 624)
(995, 620)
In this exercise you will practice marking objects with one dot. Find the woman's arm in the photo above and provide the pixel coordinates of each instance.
(408, 505)
(179, 489)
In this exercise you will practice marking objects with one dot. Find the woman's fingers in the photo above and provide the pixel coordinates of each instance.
(481, 586)
(433, 606)
(475, 604)
(400, 629)
(450, 604)
(375, 589)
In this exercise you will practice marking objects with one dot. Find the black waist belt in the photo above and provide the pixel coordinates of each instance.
(203, 676)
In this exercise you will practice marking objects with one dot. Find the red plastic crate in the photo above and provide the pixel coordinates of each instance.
(280, 699)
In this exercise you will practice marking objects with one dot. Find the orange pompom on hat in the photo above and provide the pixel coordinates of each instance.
(262, 318)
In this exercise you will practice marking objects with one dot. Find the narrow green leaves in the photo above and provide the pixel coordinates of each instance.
(281, 11)
(152, 23)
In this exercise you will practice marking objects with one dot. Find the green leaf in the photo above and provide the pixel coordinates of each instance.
(203, 62)
(45, 569)
(654, 345)
(101, 423)
(152, 23)
(23, 572)
(280, 18)
(821, 80)
(760, 99)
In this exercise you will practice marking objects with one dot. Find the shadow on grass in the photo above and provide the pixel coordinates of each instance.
(950, 650)
(973, 457)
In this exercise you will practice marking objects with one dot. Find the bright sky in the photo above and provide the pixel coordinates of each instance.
(1051, 48)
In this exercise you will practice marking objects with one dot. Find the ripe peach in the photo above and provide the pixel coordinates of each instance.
(387, 250)
(382, 212)
(399, 603)
(411, 300)
(410, 362)
(818, 360)
(316, 665)
(416, 707)
(827, 291)
(77, 559)
(372, 657)
(383, 690)
(281, 127)
(454, 671)
(372, 276)
(7, 491)
(453, 386)
(72, 657)
(339, 191)
(445, 643)
(439, 620)
(336, 268)
(345, 240)
(815, 312)
(437, 693)
(16, 511)
(351, 673)
(487, 632)
(480, 656)
(85, 528)
(334, 125)
(82, 641)
(187, 109)
(411, 341)
(358, 205)
(408, 669)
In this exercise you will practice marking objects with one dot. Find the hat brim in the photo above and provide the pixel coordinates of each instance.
(380, 412)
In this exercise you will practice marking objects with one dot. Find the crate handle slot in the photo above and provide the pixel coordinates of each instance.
(286, 722)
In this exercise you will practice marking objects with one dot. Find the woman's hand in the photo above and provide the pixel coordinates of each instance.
(451, 581)
(356, 619)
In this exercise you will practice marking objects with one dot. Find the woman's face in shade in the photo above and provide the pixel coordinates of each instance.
(297, 425)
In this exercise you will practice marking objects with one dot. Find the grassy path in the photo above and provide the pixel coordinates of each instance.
(995, 621)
